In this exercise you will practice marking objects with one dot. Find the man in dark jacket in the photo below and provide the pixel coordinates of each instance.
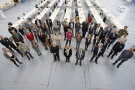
(5, 42)
(125, 55)
(98, 51)
(10, 28)
(71, 26)
(98, 30)
(55, 51)
(122, 31)
(80, 54)
(49, 23)
(77, 27)
(84, 28)
(118, 47)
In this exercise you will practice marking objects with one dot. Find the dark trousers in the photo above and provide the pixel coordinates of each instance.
(28, 54)
(67, 59)
(10, 49)
(78, 60)
(36, 36)
(57, 57)
(93, 47)
(83, 34)
(86, 45)
(121, 62)
(14, 61)
(113, 53)
(92, 57)
(68, 41)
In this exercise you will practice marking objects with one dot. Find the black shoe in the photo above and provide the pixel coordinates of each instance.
(113, 64)
(21, 63)
(117, 66)
(111, 57)
(17, 65)
(108, 56)
(96, 62)
(32, 57)
(75, 63)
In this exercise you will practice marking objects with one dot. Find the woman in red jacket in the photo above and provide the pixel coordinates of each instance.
(30, 36)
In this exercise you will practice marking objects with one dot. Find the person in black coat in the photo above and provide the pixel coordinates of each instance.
(66, 27)
(10, 28)
(77, 27)
(96, 41)
(98, 51)
(84, 28)
(118, 47)
(13, 45)
(103, 34)
(49, 23)
(55, 51)
(5, 42)
(91, 30)
(38, 22)
(88, 41)
(94, 24)
(98, 30)
(113, 36)
(42, 38)
(67, 53)
(105, 42)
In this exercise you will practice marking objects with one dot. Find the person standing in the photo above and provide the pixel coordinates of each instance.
(96, 41)
(30, 36)
(17, 37)
(42, 38)
(25, 50)
(38, 22)
(67, 53)
(35, 32)
(98, 30)
(49, 23)
(5, 42)
(118, 47)
(11, 56)
(123, 38)
(69, 36)
(55, 51)
(122, 31)
(66, 27)
(36, 48)
(125, 56)
(98, 51)
(13, 45)
(84, 28)
(80, 54)
(103, 34)
(71, 26)
(58, 40)
(88, 41)
(49, 41)
(77, 27)
(78, 40)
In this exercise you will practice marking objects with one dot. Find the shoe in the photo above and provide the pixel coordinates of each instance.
(117, 66)
(90, 61)
(17, 65)
(108, 56)
(21, 63)
(113, 64)
(96, 62)
(111, 57)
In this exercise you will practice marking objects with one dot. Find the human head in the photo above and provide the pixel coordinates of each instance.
(1, 36)
(20, 43)
(53, 44)
(67, 46)
(4, 49)
(13, 32)
(131, 49)
(125, 27)
(101, 45)
(80, 48)
(11, 39)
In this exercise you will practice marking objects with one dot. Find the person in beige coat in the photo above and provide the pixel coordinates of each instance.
(25, 50)
(58, 40)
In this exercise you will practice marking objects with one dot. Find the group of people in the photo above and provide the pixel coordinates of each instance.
(100, 38)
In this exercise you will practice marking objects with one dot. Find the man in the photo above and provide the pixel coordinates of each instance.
(66, 27)
(98, 30)
(71, 26)
(125, 55)
(14, 46)
(77, 27)
(113, 36)
(84, 28)
(25, 50)
(38, 22)
(49, 23)
(96, 41)
(10, 55)
(10, 28)
(98, 51)
(105, 42)
(5, 42)
(80, 54)
(109, 29)
(118, 47)
(55, 51)
(103, 34)
(122, 31)
(17, 37)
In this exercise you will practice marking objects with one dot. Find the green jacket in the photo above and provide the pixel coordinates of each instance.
(122, 32)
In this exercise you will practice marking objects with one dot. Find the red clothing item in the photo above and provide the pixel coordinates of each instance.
(89, 19)
(69, 35)
(30, 36)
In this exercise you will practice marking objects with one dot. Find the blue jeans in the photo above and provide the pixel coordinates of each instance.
(78, 44)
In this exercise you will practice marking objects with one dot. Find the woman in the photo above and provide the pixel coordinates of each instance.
(88, 41)
(58, 40)
(69, 36)
(30, 36)
(67, 53)
(49, 41)
(36, 48)
(56, 28)
(78, 40)
(42, 38)
(35, 32)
